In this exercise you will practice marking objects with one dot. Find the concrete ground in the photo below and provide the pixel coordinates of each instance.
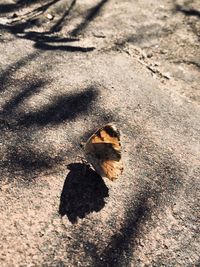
(66, 69)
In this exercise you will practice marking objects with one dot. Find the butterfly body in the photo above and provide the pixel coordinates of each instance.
(103, 151)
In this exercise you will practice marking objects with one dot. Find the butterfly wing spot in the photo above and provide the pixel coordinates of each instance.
(98, 133)
(112, 131)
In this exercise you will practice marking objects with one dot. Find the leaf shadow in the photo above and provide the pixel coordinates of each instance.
(84, 191)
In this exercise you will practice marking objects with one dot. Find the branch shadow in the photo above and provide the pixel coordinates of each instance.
(26, 164)
(84, 191)
(93, 12)
(12, 68)
(18, 27)
(30, 19)
(120, 242)
(187, 11)
(58, 25)
(189, 62)
(46, 37)
(69, 48)
(27, 156)
(63, 108)
(28, 91)
(6, 8)
(144, 33)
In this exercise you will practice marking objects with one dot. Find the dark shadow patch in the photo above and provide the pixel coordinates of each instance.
(144, 33)
(29, 160)
(5, 77)
(25, 164)
(27, 92)
(94, 11)
(167, 174)
(122, 241)
(187, 11)
(67, 48)
(188, 62)
(47, 37)
(28, 20)
(84, 191)
(58, 26)
(64, 108)
(18, 26)
(6, 8)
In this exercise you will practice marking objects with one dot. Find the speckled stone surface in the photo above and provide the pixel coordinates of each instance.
(66, 69)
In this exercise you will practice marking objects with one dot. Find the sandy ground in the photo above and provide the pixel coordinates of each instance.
(67, 68)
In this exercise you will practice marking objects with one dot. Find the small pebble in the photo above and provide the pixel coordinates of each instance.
(149, 55)
(49, 16)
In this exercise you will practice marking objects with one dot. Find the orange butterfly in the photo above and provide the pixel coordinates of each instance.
(103, 151)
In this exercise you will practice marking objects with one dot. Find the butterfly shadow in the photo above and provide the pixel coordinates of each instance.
(84, 191)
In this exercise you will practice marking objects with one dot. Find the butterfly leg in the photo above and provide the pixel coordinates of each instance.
(85, 166)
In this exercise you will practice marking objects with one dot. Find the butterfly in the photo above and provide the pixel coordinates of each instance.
(103, 151)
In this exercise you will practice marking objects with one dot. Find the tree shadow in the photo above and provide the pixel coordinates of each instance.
(187, 11)
(188, 62)
(6, 8)
(165, 179)
(69, 48)
(27, 156)
(26, 163)
(121, 242)
(7, 74)
(28, 91)
(93, 12)
(84, 191)
(47, 37)
(58, 25)
(62, 109)
(19, 25)
(144, 33)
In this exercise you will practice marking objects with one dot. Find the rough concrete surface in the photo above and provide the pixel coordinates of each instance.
(68, 67)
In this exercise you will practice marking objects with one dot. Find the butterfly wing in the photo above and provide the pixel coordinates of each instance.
(103, 151)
